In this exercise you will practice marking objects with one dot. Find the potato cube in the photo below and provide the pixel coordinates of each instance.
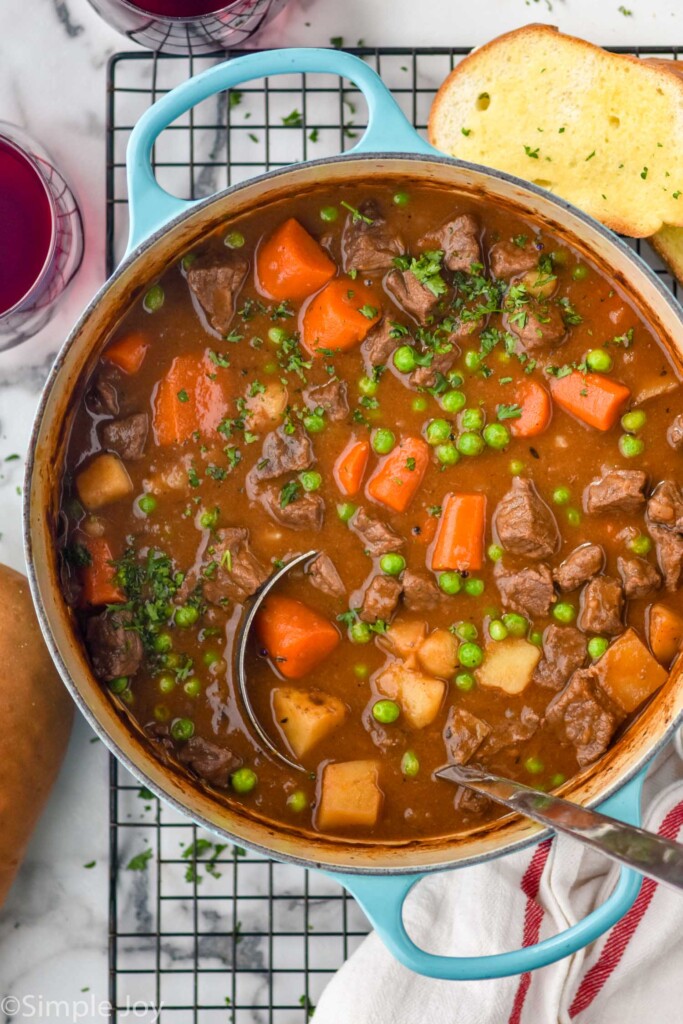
(103, 481)
(266, 408)
(508, 664)
(438, 655)
(404, 638)
(420, 696)
(666, 633)
(306, 716)
(349, 795)
(628, 673)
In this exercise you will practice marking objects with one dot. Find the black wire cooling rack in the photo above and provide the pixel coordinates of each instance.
(204, 931)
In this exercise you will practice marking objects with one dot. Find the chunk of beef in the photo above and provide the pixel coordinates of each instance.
(564, 651)
(412, 296)
(459, 240)
(210, 762)
(381, 599)
(331, 397)
(517, 728)
(669, 546)
(528, 591)
(602, 605)
(537, 324)
(323, 575)
(115, 648)
(306, 512)
(216, 285)
(441, 362)
(379, 344)
(507, 259)
(377, 537)
(420, 592)
(581, 565)
(619, 490)
(638, 576)
(663, 517)
(674, 434)
(127, 437)
(471, 804)
(665, 507)
(369, 246)
(583, 716)
(239, 573)
(463, 735)
(103, 396)
(524, 523)
(284, 453)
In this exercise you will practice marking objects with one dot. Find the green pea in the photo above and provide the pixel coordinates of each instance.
(470, 655)
(437, 431)
(172, 660)
(410, 764)
(166, 682)
(243, 780)
(192, 687)
(470, 444)
(561, 495)
(367, 386)
(599, 360)
(597, 645)
(495, 552)
(270, 367)
(456, 380)
(360, 633)
(450, 582)
(186, 616)
(497, 436)
(557, 780)
(573, 516)
(147, 504)
(419, 404)
(297, 801)
(515, 624)
(234, 240)
(472, 360)
(474, 587)
(472, 419)
(401, 198)
(392, 564)
(631, 446)
(163, 642)
(447, 454)
(516, 467)
(360, 671)
(580, 272)
(314, 422)
(634, 420)
(385, 711)
(464, 681)
(210, 658)
(310, 480)
(127, 696)
(497, 630)
(119, 684)
(345, 510)
(453, 401)
(533, 765)
(154, 299)
(329, 214)
(277, 335)
(640, 545)
(466, 631)
(536, 638)
(182, 729)
(188, 259)
(564, 612)
(383, 440)
(161, 713)
(404, 359)
(209, 520)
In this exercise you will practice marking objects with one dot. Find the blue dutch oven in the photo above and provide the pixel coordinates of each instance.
(379, 875)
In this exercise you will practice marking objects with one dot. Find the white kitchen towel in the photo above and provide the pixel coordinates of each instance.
(632, 975)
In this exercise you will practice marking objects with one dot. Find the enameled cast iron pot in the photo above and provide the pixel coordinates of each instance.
(379, 875)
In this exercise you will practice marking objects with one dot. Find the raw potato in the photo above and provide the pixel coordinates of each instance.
(420, 696)
(306, 716)
(350, 795)
(438, 655)
(508, 664)
(104, 481)
(404, 638)
(628, 673)
(666, 633)
(36, 713)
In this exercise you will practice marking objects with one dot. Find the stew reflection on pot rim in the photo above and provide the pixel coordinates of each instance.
(479, 434)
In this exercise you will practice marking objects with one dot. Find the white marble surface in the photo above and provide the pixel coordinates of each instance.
(53, 54)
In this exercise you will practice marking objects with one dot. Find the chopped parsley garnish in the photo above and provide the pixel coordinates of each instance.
(192, 477)
(140, 861)
(313, 135)
(77, 555)
(520, 240)
(427, 270)
(508, 412)
(289, 493)
(410, 464)
(356, 214)
(397, 330)
(183, 396)
(219, 360)
(643, 173)
(569, 313)
(337, 42)
(435, 510)
(293, 119)
(234, 98)
(282, 311)
(466, 131)
(150, 585)
(533, 153)
(368, 311)
(348, 618)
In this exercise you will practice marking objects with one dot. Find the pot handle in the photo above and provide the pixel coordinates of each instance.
(382, 899)
(151, 206)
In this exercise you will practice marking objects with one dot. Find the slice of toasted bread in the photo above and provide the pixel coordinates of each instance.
(601, 130)
(668, 243)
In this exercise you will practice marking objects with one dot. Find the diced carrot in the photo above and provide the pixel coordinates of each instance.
(349, 468)
(291, 265)
(192, 396)
(396, 480)
(460, 533)
(98, 578)
(340, 316)
(296, 638)
(592, 398)
(534, 401)
(128, 353)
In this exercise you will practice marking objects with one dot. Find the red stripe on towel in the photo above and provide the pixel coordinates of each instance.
(533, 918)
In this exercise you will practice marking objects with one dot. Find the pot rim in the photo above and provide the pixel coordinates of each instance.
(535, 833)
